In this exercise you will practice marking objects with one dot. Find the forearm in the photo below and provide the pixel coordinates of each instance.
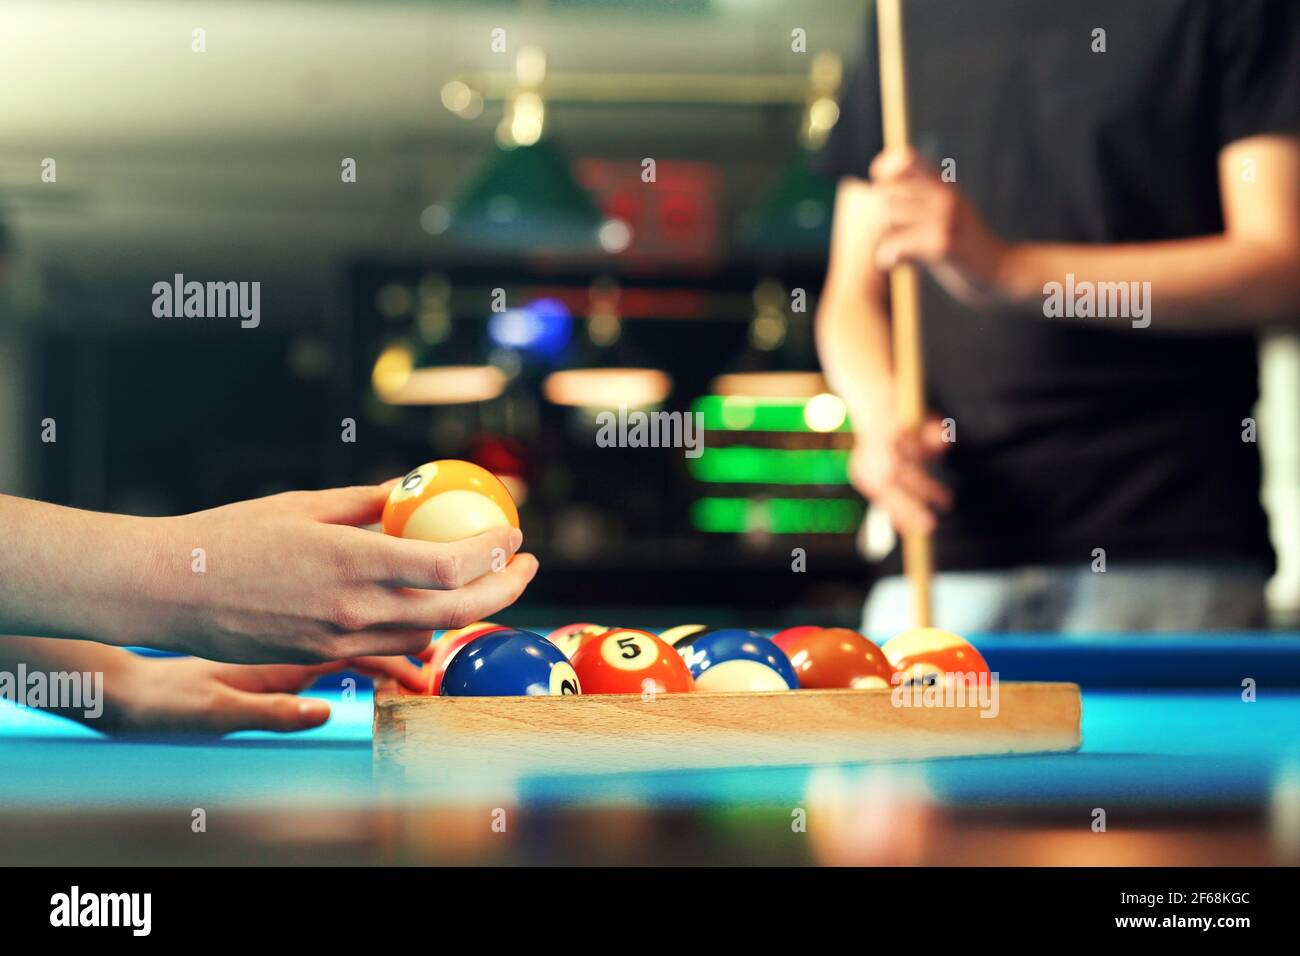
(104, 675)
(853, 343)
(44, 654)
(74, 574)
(1213, 282)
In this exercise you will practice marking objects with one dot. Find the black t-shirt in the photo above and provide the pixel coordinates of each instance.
(1072, 436)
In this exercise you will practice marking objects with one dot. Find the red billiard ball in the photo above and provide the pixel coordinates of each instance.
(927, 655)
(570, 637)
(448, 500)
(838, 657)
(783, 639)
(628, 661)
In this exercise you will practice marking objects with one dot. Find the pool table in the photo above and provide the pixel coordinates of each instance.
(1175, 768)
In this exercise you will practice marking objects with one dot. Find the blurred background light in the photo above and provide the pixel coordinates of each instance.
(743, 464)
(770, 384)
(748, 413)
(448, 385)
(542, 327)
(608, 388)
(776, 515)
(392, 369)
(825, 412)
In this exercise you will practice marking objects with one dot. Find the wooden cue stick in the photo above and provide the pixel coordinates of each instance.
(909, 380)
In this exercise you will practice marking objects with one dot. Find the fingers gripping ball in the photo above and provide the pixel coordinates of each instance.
(510, 663)
(570, 637)
(448, 500)
(628, 661)
(838, 657)
(928, 655)
(737, 660)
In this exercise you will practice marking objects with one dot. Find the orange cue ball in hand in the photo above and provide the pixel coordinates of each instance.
(448, 500)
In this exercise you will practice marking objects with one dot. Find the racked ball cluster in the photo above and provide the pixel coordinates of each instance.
(452, 500)
(487, 659)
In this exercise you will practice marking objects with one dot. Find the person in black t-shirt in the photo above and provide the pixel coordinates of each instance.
(1104, 199)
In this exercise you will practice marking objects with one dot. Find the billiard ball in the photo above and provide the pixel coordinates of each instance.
(570, 637)
(737, 660)
(928, 655)
(629, 661)
(450, 644)
(448, 500)
(509, 663)
(783, 639)
(683, 635)
(838, 657)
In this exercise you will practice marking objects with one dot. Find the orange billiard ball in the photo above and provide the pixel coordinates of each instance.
(838, 657)
(929, 655)
(448, 500)
(628, 661)
(570, 637)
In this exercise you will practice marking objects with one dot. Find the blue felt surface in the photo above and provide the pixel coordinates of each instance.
(47, 760)
(1191, 748)
(1172, 746)
(1146, 660)
(1139, 748)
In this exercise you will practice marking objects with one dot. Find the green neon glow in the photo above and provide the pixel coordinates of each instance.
(771, 466)
(731, 413)
(777, 515)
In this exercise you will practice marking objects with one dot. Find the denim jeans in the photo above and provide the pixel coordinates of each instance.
(1165, 596)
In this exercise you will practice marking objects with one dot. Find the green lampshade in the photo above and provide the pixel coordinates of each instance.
(525, 199)
(794, 219)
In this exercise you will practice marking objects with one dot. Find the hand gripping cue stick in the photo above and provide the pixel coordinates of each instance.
(909, 378)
